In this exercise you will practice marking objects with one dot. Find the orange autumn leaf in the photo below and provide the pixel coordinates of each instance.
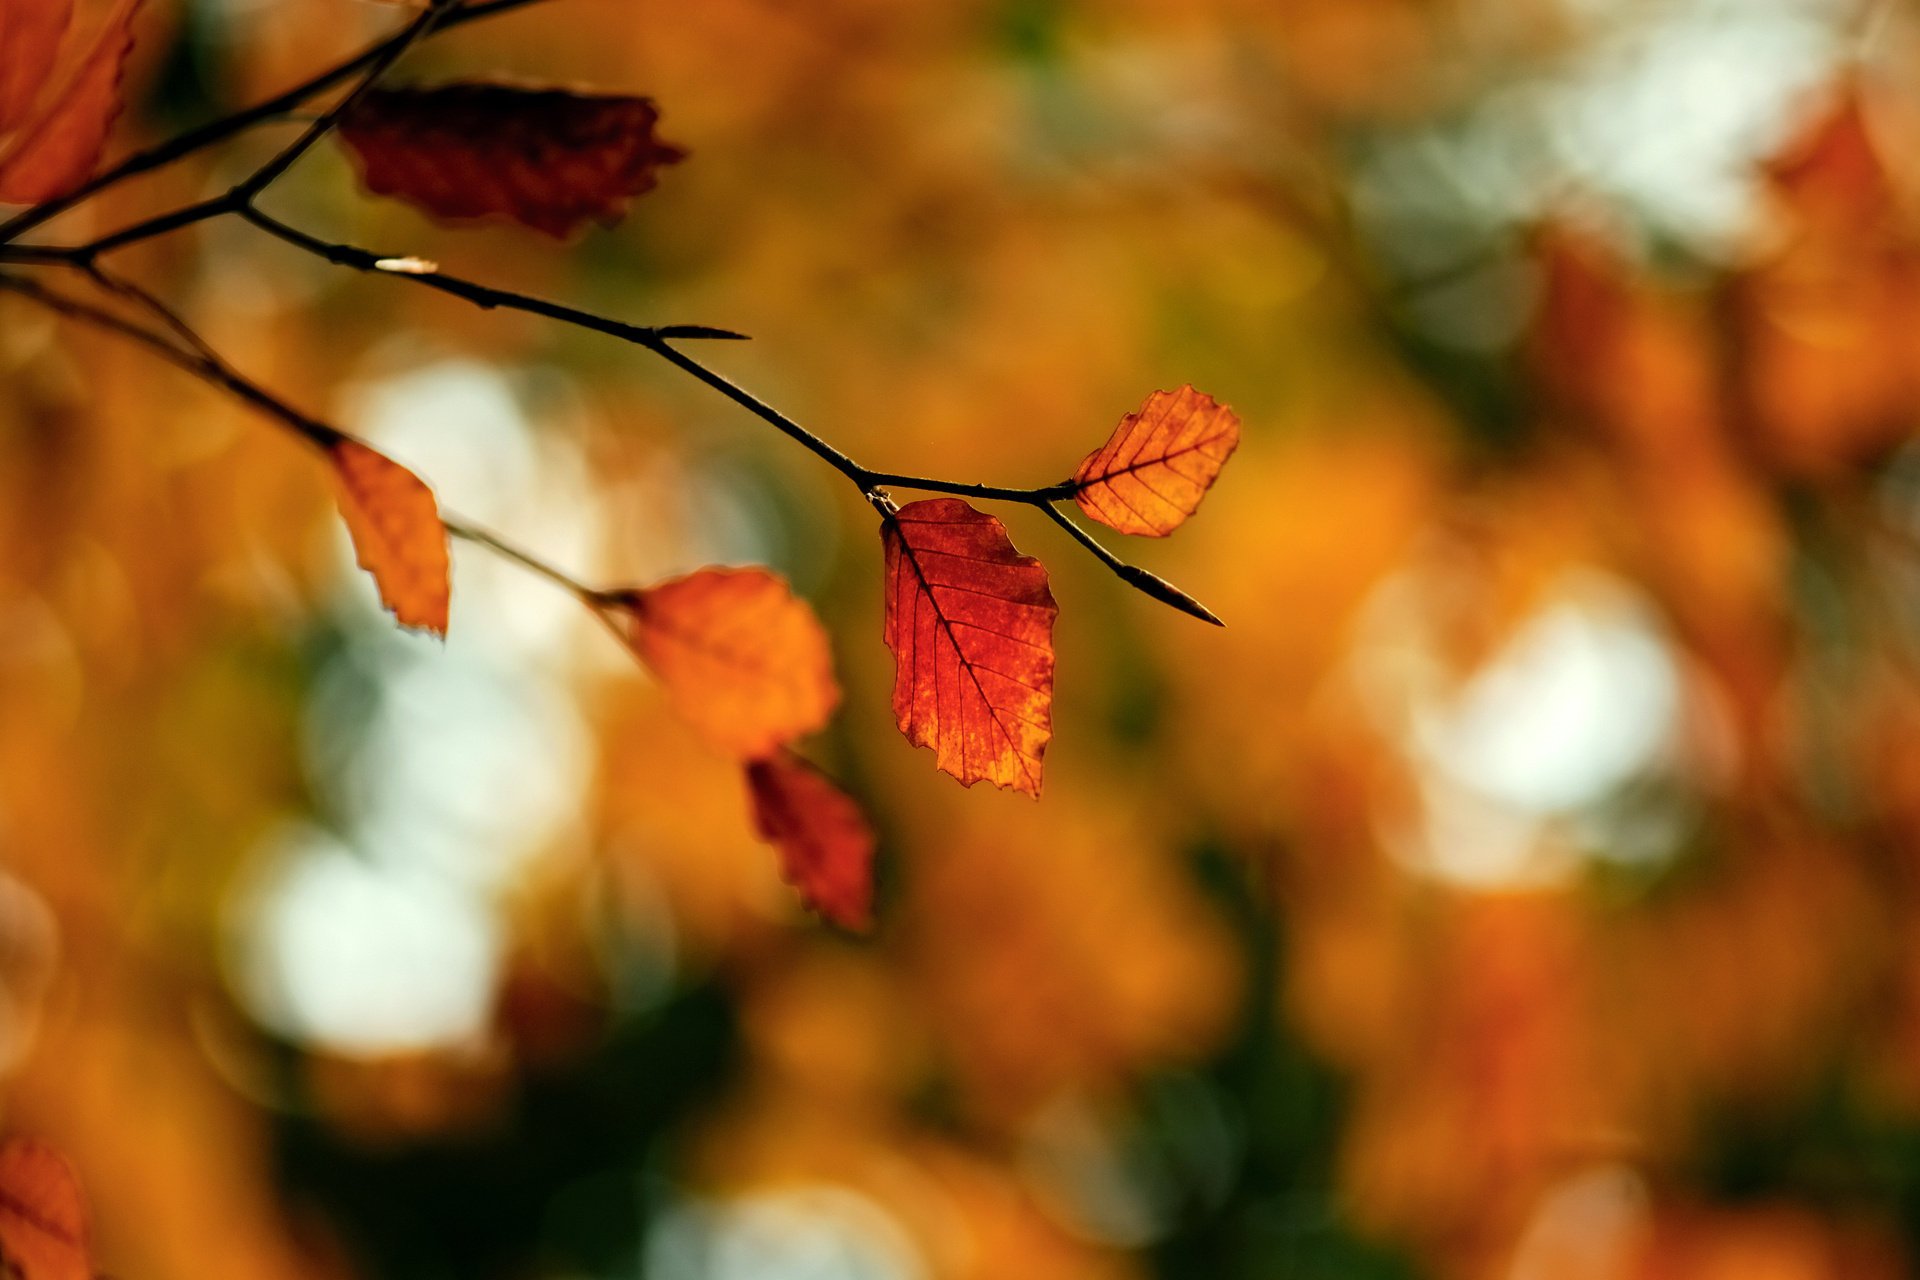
(825, 842)
(43, 1217)
(743, 660)
(1161, 460)
(397, 534)
(546, 158)
(970, 623)
(52, 128)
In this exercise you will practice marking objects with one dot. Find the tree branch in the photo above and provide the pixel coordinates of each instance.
(241, 199)
(207, 367)
(206, 135)
(659, 341)
(204, 364)
(394, 49)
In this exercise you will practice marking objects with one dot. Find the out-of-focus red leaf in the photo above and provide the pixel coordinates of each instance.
(55, 147)
(970, 623)
(825, 843)
(1158, 464)
(744, 661)
(30, 36)
(546, 158)
(1831, 175)
(397, 534)
(43, 1216)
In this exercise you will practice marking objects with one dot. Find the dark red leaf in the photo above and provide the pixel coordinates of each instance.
(546, 158)
(825, 843)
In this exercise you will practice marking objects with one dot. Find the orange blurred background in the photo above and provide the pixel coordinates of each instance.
(1522, 885)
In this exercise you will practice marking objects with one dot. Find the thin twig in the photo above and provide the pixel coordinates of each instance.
(263, 177)
(467, 531)
(159, 310)
(207, 367)
(986, 492)
(211, 368)
(483, 296)
(1133, 575)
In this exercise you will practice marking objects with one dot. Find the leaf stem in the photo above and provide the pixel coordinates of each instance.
(988, 492)
(467, 531)
(1133, 575)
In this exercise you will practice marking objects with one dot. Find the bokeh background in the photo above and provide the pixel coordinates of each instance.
(1523, 885)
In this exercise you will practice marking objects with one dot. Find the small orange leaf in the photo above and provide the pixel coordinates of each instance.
(970, 623)
(397, 534)
(825, 843)
(743, 661)
(546, 158)
(43, 1216)
(54, 149)
(1151, 474)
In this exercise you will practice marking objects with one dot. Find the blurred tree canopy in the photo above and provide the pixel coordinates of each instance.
(1523, 884)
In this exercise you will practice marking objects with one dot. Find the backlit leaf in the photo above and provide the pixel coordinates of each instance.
(397, 534)
(546, 158)
(743, 661)
(30, 36)
(825, 843)
(43, 1217)
(970, 623)
(1159, 463)
(57, 143)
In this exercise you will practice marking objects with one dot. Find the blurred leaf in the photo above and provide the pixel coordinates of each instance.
(548, 159)
(397, 534)
(826, 846)
(55, 149)
(43, 1216)
(743, 660)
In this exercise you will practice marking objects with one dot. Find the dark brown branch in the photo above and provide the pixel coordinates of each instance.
(394, 49)
(986, 492)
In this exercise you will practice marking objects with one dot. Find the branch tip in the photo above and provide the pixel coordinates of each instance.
(693, 332)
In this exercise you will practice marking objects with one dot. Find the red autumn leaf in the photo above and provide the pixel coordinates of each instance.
(397, 534)
(743, 660)
(1832, 175)
(31, 32)
(51, 138)
(970, 623)
(825, 843)
(546, 158)
(1151, 474)
(43, 1216)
